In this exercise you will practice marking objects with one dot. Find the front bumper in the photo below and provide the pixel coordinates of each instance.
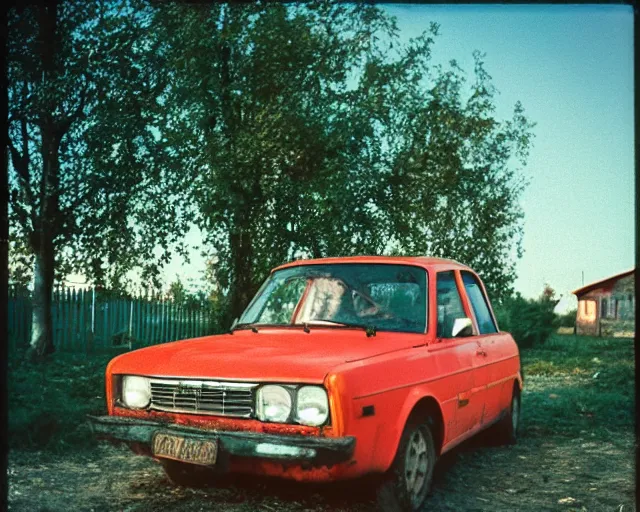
(311, 451)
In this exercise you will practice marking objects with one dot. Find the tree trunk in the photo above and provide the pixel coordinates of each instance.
(41, 343)
(42, 243)
(242, 285)
(47, 220)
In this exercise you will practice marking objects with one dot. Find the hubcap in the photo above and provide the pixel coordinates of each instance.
(416, 464)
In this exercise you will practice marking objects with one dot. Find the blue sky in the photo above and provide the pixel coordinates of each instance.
(572, 68)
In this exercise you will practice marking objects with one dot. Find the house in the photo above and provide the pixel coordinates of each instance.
(607, 307)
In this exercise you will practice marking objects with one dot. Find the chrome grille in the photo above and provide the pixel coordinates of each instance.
(203, 397)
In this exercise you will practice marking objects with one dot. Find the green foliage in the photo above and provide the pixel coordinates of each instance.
(20, 262)
(283, 131)
(82, 77)
(215, 303)
(85, 186)
(530, 321)
(567, 319)
(311, 130)
(177, 292)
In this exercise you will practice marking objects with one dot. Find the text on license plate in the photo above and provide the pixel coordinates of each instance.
(186, 449)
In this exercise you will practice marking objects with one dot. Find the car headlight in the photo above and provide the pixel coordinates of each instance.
(273, 404)
(136, 392)
(312, 406)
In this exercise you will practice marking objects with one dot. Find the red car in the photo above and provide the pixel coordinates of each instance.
(338, 368)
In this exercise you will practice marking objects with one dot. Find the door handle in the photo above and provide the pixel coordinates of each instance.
(481, 352)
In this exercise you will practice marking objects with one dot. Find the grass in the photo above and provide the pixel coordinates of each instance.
(572, 384)
(578, 383)
(48, 402)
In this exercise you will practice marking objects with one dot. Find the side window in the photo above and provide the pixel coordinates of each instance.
(478, 303)
(449, 303)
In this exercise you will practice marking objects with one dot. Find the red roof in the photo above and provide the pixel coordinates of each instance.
(602, 282)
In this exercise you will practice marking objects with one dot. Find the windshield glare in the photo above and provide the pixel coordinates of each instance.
(387, 297)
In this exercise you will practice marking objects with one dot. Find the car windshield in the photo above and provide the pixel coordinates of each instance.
(385, 297)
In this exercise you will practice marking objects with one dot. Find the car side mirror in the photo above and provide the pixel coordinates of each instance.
(462, 327)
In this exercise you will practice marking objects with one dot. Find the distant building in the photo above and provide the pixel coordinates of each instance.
(607, 307)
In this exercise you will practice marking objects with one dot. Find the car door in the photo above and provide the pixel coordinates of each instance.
(454, 357)
(487, 368)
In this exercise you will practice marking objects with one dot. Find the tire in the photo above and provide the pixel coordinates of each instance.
(187, 475)
(507, 428)
(408, 481)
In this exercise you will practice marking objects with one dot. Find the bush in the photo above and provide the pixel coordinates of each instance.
(530, 321)
(568, 319)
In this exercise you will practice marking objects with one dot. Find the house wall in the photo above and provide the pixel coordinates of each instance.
(587, 318)
(608, 310)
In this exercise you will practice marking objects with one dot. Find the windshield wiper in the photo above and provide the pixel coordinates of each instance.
(244, 326)
(370, 330)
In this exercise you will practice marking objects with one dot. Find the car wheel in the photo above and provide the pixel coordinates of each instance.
(187, 475)
(507, 427)
(408, 481)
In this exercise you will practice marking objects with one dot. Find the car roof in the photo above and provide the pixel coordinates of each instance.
(436, 264)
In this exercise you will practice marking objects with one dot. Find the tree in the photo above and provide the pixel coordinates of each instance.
(177, 292)
(83, 194)
(312, 130)
(263, 134)
(453, 187)
(530, 321)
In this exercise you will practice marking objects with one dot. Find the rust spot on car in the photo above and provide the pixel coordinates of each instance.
(219, 423)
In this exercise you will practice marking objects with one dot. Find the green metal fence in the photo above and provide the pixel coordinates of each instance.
(91, 320)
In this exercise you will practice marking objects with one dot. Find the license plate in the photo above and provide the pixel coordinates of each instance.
(185, 449)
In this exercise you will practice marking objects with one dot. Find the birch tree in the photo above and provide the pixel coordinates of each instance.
(82, 188)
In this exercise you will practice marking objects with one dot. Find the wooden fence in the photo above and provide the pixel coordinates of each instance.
(88, 320)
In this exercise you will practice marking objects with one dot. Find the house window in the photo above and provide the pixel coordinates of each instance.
(604, 313)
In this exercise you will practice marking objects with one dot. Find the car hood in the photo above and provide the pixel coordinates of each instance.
(271, 355)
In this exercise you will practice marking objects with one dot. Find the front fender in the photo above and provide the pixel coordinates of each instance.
(414, 397)
(379, 436)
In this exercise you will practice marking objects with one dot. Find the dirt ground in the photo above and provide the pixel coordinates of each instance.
(588, 470)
